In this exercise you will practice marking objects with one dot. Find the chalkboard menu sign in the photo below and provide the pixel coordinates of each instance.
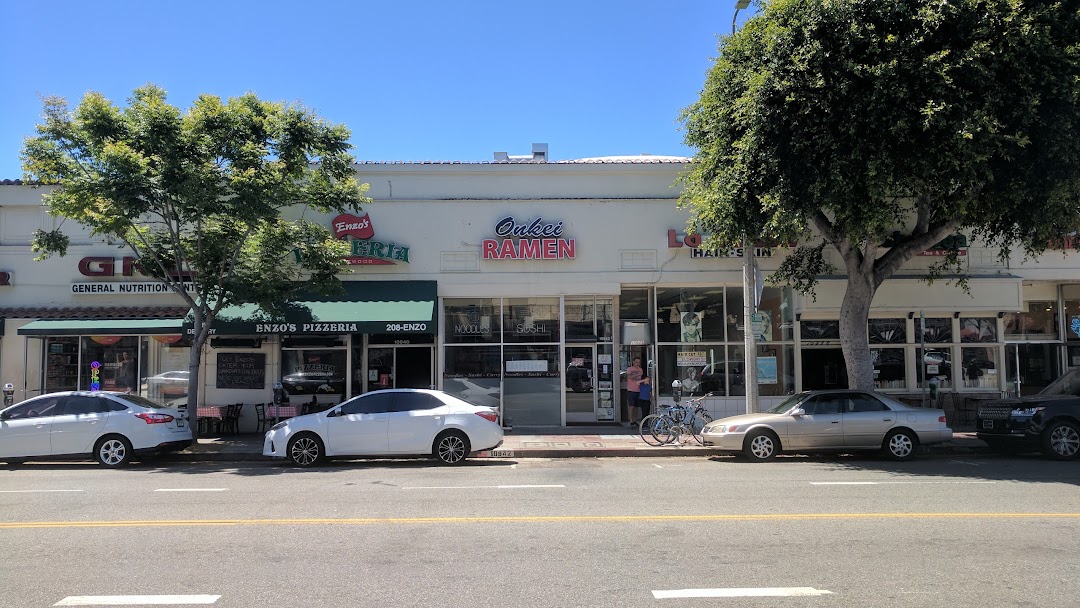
(241, 370)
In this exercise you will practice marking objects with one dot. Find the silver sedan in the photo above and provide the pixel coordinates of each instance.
(844, 420)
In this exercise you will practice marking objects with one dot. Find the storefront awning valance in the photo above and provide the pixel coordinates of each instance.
(102, 327)
(384, 307)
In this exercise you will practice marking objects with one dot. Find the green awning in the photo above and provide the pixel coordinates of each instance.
(102, 327)
(366, 307)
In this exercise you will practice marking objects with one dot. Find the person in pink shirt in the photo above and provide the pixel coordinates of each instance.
(634, 374)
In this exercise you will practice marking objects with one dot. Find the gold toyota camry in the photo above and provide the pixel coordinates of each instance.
(836, 420)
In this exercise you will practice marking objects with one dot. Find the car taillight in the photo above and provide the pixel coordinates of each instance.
(154, 418)
(941, 419)
(489, 416)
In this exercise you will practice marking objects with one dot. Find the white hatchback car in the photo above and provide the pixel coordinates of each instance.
(393, 422)
(111, 427)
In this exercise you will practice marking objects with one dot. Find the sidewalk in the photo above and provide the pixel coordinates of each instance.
(539, 442)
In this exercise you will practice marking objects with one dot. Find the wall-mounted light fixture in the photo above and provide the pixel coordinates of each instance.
(956, 315)
(1001, 315)
(798, 316)
(911, 315)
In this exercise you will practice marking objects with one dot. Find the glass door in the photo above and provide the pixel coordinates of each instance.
(1035, 365)
(579, 383)
(400, 367)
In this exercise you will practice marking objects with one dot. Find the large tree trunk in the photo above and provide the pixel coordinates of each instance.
(194, 360)
(853, 335)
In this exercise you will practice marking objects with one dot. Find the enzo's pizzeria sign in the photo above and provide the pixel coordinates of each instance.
(535, 240)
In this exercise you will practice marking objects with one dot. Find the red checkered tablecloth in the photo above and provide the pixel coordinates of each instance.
(210, 411)
(281, 411)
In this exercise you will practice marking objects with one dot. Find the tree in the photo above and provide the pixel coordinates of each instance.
(199, 196)
(886, 127)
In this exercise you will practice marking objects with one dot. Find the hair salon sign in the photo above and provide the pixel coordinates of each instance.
(535, 240)
(364, 249)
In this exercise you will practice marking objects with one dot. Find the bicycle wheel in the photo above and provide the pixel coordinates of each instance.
(655, 429)
(697, 424)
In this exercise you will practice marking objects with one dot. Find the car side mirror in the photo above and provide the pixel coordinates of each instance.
(798, 412)
(5, 415)
(334, 413)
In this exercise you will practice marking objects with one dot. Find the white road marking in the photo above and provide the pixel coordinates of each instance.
(658, 466)
(973, 464)
(741, 592)
(885, 483)
(34, 491)
(135, 600)
(191, 490)
(476, 487)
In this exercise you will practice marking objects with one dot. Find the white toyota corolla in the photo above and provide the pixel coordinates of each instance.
(112, 427)
(394, 422)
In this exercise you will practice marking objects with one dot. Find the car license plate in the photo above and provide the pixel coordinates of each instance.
(180, 422)
(988, 424)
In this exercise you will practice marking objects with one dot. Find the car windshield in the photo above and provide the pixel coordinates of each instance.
(1069, 384)
(786, 405)
(143, 401)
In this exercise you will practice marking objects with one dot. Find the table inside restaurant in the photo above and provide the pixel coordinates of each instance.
(211, 411)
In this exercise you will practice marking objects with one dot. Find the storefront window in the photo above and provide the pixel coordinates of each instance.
(531, 385)
(978, 329)
(605, 308)
(634, 304)
(937, 363)
(815, 331)
(473, 373)
(777, 308)
(1071, 295)
(1040, 322)
(61, 364)
(889, 369)
(733, 318)
(690, 315)
(775, 370)
(166, 367)
(936, 330)
(580, 320)
(313, 374)
(887, 331)
(531, 320)
(700, 370)
(980, 367)
(110, 363)
(472, 320)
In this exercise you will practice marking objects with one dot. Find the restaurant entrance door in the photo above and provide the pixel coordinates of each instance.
(400, 367)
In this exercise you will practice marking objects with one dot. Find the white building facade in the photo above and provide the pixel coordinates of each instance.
(528, 285)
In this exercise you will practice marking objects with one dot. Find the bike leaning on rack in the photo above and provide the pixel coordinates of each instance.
(674, 422)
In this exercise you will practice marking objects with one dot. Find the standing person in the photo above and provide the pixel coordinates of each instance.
(633, 389)
(644, 397)
(125, 373)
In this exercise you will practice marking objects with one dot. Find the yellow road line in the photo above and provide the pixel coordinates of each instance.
(520, 519)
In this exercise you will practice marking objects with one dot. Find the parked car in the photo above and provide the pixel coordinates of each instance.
(112, 427)
(830, 420)
(392, 422)
(169, 384)
(1048, 422)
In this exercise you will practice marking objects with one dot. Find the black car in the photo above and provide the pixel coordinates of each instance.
(1048, 422)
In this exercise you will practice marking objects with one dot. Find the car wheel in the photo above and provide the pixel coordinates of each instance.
(900, 444)
(451, 447)
(305, 450)
(1061, 441)
(761, 445)
(113, 451)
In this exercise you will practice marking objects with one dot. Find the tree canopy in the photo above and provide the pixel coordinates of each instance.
(200, 197)
(883, 127)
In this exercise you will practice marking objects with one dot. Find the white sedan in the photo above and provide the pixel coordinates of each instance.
(111, 427)
(830, 420)
(394, 422)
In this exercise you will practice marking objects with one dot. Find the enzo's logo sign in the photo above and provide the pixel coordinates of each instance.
(351, 225)
(363, 249)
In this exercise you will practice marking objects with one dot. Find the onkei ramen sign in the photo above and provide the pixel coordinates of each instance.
(535, 240)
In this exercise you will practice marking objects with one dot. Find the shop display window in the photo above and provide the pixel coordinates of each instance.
(890, 371)
(165, 369)
(936, 330)
(314, 374)
(777, 307)
(886, 331)
(699, 368)
(61, 364)
(980, 367)
(531, 320)
(1040, 322)
(936, 363)
(473, 373)
(975, 329)
(690, 315)
(472, 320)
(776, 370)
(110, 363)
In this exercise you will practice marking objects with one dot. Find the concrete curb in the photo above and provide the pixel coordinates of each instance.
(619, 452)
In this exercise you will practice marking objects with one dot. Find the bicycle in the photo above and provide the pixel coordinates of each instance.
(674, 421)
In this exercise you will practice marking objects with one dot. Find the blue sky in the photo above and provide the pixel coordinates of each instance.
(412, 80)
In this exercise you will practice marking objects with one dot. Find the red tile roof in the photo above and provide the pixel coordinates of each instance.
(94, 312)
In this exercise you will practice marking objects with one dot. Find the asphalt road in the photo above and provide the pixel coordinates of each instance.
(844, 531)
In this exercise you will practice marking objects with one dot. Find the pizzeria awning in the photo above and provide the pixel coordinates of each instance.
(101, 327)
(365, 307)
